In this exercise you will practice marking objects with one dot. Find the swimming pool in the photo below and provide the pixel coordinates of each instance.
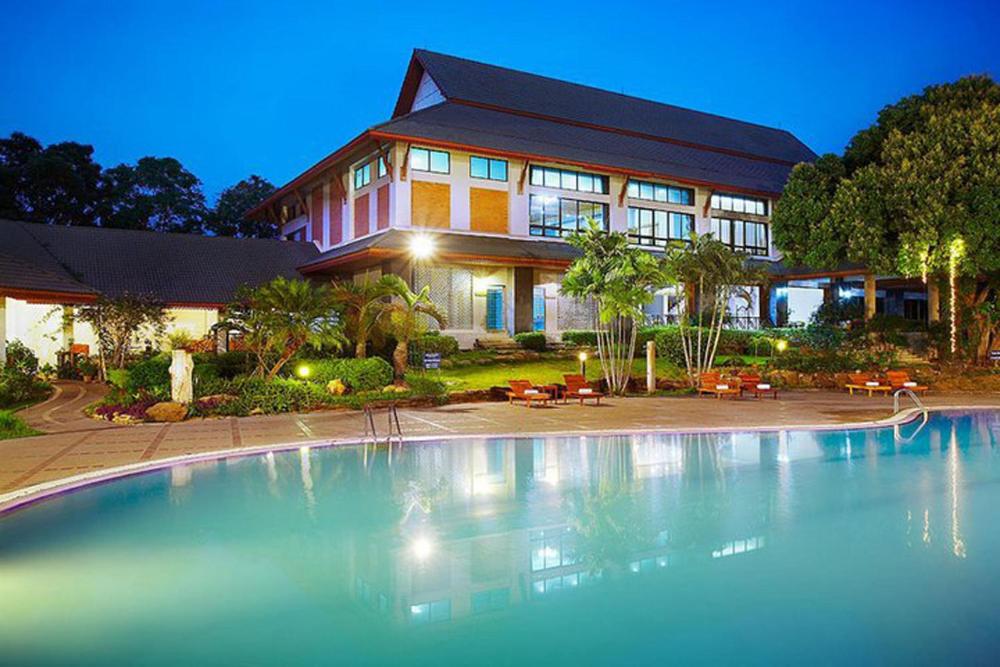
(829, 546)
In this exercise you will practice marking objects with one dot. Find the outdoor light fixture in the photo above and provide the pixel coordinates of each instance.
(583, 363)
(422, 548)
(955, 251)
(303, 371)
(781, 345)
(421, 246)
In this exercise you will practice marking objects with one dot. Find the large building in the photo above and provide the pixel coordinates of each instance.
(482, 171)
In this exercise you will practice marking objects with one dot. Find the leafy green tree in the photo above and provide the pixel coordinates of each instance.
(363, 308)
(801, 223)
(58, 184)
(714, 273)
(155, 193)
(120, 322)
(620, 279)
(408, 313)
(229, 217)
(281, 317)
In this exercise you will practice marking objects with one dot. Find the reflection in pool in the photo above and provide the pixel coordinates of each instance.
(866, 546)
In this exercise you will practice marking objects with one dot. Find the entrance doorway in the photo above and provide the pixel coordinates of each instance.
(495, 310)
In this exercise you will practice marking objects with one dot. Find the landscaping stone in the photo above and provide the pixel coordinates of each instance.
(167, 411)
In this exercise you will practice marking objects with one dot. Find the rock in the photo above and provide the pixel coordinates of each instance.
(167, 411)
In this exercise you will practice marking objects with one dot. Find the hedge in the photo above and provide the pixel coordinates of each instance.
(357, 374)
(433, 342)
(580, 337)
(151, 377)
(533, 340)
(265, 396)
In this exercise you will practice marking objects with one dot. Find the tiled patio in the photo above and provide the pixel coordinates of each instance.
(94, 446)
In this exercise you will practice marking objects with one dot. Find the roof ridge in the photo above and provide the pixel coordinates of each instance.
(600, 90)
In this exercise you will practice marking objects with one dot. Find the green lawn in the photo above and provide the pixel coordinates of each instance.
(543, 371)
(11, 426)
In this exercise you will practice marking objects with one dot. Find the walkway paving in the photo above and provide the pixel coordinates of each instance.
(26, 462)
(63, 410)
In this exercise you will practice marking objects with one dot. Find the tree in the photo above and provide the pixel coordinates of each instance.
(157, 194)
(407, 319)
(119, 322)
(714, 273)
(363, 307)
(279, 318)
(229, 217)
(921, 182)
(59, 184)
(620, 279)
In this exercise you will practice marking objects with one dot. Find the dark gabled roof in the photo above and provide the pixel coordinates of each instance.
(450, 245)
(174, 268)
(497, 87)
(511, 133)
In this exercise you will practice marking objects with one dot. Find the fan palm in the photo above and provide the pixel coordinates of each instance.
(363, 306)
(407, 319)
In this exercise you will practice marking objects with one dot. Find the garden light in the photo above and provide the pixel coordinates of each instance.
(781, 345)
(421, 246)
(303, 371)
(583, 363)
(955, 251)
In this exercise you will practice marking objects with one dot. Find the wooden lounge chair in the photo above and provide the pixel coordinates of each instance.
(578, 387)
(523, 390)
(901, 380)
(866, 382)
(712, 383)
(752, 384)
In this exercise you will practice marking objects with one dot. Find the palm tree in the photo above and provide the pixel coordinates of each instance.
(407, 314)
(280, 317)
(363, 307)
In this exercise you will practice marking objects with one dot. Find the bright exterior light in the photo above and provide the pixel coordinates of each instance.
(421, 246)
(303, 371)
(781, 345)
(582, 356)
(955, 252)
(422, 548)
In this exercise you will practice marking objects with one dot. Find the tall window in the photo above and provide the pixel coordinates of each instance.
(425, 159)
(548, 177)
(649, 227)
(742, 235)
(662, 193)
(559, 216)
(739, 204)
(450, 290)
(362, 176)
(382, 171)
(488, 168)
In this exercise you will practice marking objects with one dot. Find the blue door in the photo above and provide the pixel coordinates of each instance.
(538, 310)
(494, 308)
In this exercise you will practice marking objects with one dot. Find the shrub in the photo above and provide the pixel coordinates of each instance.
(533, 340)
(433, 342)
(228, 365)
(357, 374)
(21, 359)
(425, 385)
(580, 337)
(151, 376)
(820, 361)
(17, 388)
(258, 395)
(118, 377)
(134, 410)
(204, 372)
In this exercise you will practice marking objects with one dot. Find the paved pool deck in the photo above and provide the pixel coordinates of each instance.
(78, 445)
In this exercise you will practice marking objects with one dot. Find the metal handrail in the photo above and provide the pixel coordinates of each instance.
(908, 392)
(897, 430)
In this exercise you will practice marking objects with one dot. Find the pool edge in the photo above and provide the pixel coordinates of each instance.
(36, 493)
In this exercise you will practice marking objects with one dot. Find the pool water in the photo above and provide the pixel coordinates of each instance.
(861, 546)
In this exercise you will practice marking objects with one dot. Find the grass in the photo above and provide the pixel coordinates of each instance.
(11, 426)
(542, 371)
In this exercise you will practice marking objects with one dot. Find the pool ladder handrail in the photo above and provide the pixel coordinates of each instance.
(907, 392)
(369, 416)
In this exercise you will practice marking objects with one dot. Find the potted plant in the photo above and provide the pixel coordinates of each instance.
(87, 368)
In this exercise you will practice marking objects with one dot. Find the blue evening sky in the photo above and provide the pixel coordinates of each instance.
(234, 88)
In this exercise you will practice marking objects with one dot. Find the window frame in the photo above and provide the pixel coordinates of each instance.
(637, 187)
(636, 237)
(752, 250)
(430, 163)
(364, 170)
(560, 176)
(490, 161)
(726, 201)
(540, 228)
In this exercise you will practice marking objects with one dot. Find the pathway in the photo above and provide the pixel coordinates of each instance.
(63, 410)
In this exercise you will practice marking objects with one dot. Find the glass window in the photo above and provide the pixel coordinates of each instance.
(362, 176)
(498, 170)
(424, 159)
(654, 228)
(382, 171)
(568, 180)
(559, 216)
(746, 236)
(660, 193)
(479, 167)
(740, 204)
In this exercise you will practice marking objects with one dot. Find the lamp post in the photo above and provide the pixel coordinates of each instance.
(583, 363)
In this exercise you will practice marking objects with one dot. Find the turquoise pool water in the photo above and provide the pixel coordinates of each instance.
(793, 547)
